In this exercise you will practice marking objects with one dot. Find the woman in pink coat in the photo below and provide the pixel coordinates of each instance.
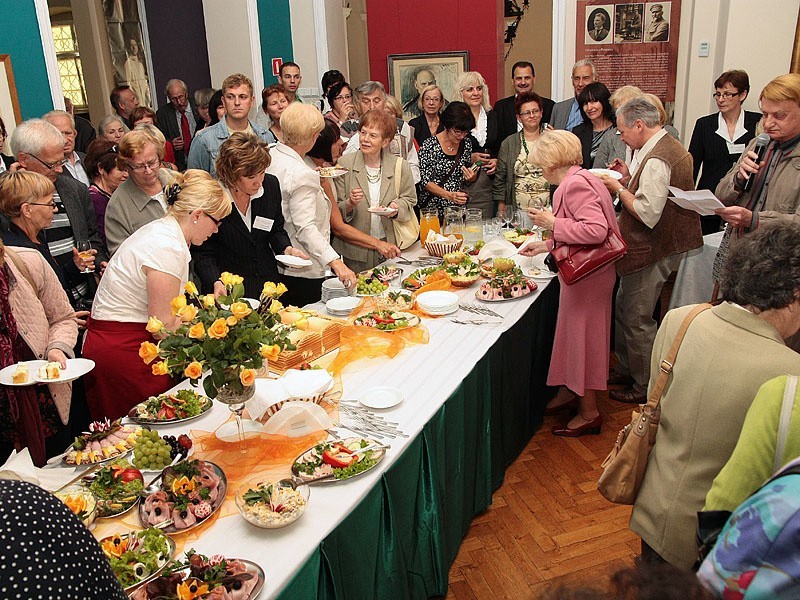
(582, 214)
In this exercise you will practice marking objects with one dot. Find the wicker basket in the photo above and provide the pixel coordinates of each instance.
(439, 249)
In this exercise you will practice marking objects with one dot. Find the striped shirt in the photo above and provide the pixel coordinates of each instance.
(60, 242)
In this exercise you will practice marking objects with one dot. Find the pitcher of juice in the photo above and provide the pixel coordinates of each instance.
(454, 221)
(428, 221)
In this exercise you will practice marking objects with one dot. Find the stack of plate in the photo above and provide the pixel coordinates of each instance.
(438, 302)
(333, 288)
(341, 307)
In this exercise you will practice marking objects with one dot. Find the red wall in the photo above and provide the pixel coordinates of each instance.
(414, 26)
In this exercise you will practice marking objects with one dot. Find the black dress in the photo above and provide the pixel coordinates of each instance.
(45, 550)
(421, 129)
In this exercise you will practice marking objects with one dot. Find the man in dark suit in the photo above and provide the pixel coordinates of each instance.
(566, 114)
(85, 130)
(124, 101)
(179, 120)
(524, 78)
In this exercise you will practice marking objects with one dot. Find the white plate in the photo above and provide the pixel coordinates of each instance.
(441, 312)
(8, 372)
(610, 172)
(382, 396)
(342, 305)
(76, 367)
(228, 432)
(380, 210)
(293, 261)
(436, 300)
(332, 172)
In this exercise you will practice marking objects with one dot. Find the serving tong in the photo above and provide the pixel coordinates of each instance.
(422, 261)
(479, 310)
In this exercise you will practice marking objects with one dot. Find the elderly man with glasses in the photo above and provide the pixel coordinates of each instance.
(39, 148)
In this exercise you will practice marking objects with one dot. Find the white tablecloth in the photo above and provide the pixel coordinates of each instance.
(694, 283)
(427, 374)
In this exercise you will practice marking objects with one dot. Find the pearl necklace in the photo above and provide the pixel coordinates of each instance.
(374, 178)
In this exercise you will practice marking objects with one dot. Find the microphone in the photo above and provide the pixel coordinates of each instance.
(762, 141)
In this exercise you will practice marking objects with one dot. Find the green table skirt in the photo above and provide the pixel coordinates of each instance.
(400, 541)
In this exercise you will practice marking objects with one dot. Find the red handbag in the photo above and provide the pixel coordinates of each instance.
(576, 262)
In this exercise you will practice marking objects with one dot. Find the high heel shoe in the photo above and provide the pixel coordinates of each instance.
(591, 427)
(571, 405)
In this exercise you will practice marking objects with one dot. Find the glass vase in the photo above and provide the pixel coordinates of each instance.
(236, 401)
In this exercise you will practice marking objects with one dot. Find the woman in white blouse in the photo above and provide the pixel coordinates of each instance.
(473, 91)
(306, 210)
(148, 270)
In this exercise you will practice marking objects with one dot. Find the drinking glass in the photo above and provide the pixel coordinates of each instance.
(85, 252)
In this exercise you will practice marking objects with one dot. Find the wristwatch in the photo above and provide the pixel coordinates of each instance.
(616, 196)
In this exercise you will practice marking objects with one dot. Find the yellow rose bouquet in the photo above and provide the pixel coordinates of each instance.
(222, 336)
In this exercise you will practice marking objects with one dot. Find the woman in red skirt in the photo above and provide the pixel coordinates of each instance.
(148, 270)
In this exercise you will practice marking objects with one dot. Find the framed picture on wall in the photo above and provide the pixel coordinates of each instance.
(410, 73)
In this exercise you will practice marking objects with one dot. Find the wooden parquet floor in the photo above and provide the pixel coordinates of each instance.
(548, 525)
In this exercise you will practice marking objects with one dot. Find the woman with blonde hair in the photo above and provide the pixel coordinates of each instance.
(140, 198)
(583, 214)
(245, 244)
(371, 183)
(474, 92)
(148, 270)
(306, 210)
(428, 123)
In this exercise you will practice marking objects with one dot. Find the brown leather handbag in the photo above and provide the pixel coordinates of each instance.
(624, 467)
(576, 262)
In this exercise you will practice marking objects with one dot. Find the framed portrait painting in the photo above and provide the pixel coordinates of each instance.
(410, 73)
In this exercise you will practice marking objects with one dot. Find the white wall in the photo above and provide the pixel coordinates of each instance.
(234, 45)
(743, 34)
(319, 41)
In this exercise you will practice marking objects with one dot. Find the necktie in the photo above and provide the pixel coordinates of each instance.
(185, 133)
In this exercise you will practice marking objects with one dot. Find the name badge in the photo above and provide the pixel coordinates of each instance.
(736, 148)
(263, 223)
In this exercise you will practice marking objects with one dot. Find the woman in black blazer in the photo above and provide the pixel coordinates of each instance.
(485, 137)
(598, 120)
(719, 139)
(429, 123)
(249, 238)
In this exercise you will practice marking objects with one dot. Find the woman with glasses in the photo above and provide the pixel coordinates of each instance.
(342, 113)
(140, 198)
(101, 167)
(518, 181)
(445, 159)
(429, 123)
(719, 139)
(253, 234)
(27, 203)
(149, 269)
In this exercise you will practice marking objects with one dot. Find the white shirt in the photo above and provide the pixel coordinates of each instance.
(77, 170)
(122, 293)
(722, 131)
(651, 196)
(480, 132)
(374, 198)
(306, 210)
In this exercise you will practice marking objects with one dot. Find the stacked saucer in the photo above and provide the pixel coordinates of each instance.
(438, 302)
(342, 306)
(333, 288)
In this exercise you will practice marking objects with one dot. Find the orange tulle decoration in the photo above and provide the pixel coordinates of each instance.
(365, 342)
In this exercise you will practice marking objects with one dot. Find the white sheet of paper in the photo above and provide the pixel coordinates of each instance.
(263, 223)
(703, 202)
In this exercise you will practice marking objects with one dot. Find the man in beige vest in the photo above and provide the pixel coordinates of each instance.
(657, 233)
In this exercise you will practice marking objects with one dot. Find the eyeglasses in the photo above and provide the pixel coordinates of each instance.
(152, 165)
(50, 204)
(179, 98)
(725, 95)
(216, 221)
(344, 97)
(51, 166)
(530, 113)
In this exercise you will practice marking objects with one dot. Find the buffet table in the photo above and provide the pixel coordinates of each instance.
(473, 397)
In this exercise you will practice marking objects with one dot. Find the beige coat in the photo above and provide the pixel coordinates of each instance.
(356, 177)
(783, 201)
(44, 317)
(725, 357)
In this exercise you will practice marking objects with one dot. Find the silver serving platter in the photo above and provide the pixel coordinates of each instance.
(377, 454)
(171, 552)
(155, 486)
(133, 416)
(535, 287)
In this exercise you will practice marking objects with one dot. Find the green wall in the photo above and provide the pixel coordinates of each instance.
(20, 38)
(275, 27)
